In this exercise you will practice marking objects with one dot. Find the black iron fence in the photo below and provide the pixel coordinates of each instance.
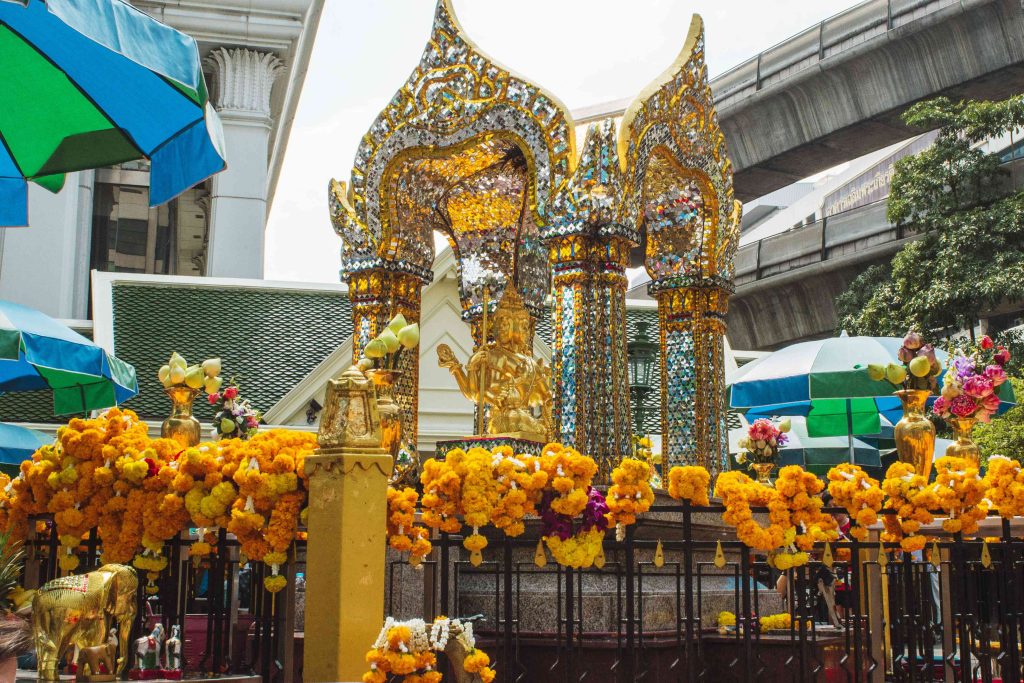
(950, 613)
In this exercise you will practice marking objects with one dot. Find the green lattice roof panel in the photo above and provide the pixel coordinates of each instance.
(269, 339)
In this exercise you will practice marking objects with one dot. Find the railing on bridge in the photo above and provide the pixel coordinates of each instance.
(828, 238)
(832, 36)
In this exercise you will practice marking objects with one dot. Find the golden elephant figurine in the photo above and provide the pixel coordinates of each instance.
(79, 611)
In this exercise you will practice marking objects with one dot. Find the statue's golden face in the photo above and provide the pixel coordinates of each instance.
(506, 331)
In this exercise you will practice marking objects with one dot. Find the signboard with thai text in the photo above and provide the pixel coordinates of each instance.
(873, 184)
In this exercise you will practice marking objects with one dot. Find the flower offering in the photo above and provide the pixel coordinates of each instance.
(762, 442)
(405, 651)
(969, 387)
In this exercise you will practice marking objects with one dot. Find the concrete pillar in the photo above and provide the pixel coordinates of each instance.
(241, 87)
(589, 364)
(345, 557)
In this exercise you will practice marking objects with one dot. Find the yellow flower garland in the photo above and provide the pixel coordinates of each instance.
(630, 493)
(912, 500)
(861, 495)
(792, 504)
(1004, 483)
(960, 491)
(404, 535)
(579, 551)
(690, 483)
(405, 651)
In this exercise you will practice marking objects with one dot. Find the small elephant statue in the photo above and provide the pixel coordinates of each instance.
(96, 658)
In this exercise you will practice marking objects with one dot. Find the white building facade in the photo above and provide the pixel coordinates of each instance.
(255, 55)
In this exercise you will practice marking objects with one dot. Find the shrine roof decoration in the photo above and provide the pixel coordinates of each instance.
(678, 185)
(465, 147)
(589, 203)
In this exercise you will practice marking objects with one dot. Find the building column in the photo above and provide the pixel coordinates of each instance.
(377, 296)
(693, 410)
(589, 364)
(241, 87)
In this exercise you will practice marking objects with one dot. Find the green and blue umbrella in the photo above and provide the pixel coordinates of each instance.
(92, 83)
(37, 352)
(826, 381)
(17, 444)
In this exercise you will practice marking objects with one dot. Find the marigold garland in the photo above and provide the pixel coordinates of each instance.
(690, 483)
(105, 473)
(861, 495)
(1004, 484)
(909, 495)
(406, 649)
(796, 522)
(630, 493)
(404, 535)
(960, 491)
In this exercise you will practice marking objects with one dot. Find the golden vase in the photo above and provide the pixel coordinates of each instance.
(764, 471)
(915, 433)
(181, 425)
(963, 446)
(387, 408)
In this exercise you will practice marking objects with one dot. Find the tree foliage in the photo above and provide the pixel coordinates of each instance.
(1005, 435)
(970, 257)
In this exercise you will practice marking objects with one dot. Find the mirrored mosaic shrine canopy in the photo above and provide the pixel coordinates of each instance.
(489, 159)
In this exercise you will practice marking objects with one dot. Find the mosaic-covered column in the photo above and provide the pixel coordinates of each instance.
(693, 410)
(377, 295)
(680, 193)
(589, 365)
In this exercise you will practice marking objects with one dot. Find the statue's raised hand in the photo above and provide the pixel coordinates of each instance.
(446, 357)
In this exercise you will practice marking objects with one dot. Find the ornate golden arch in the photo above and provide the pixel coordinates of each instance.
(465, 147)
(678, 192)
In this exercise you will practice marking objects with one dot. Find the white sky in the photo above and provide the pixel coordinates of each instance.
(584, 51)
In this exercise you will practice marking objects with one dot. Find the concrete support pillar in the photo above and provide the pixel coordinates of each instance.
(345, 557)
(693, 410)
(377, 296)
(589, 365)
(241, 87)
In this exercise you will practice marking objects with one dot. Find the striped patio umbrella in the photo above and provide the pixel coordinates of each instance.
(92, 83)
(826, 381)
(37, 352)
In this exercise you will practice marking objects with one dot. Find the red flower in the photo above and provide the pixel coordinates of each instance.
(251, 422)
(1002, 356)
(213, 398)
(230, 393)
(986, 342)
(153, 469)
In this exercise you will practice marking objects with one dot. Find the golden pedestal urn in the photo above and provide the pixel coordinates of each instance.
(915, 433)
(764, 471)
(964, 446)
(181, 425)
